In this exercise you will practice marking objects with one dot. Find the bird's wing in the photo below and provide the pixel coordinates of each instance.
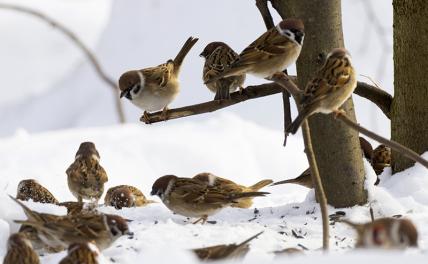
(158, 76)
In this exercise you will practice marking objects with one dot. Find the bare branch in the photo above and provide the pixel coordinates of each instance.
(89, 54)
(262, 5)
(379, 97)
(251, 92)
(390, 143)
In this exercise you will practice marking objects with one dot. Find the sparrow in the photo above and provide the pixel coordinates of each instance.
(272, 52)
(20, 251)
(55, 231)
(221, 252)
(86, 253)
(218, 57)
(232, 187)
(154, 88)
(31, 189)
(381, 158)
(38, 245)
(304, 179)
(385, 233)
(332, 85)
(125, 196)
(194, 198)
(86, 177)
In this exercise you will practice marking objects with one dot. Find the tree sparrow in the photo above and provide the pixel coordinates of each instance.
(304, 179)
(218, 57)
(272, 52)
(125, 196)
(385, 233)
(154, 88)
(85, 253)
(232, 187)
(381, 158)
(38, 245)
(86, 177)
(331, 87)
(193, 198)
(31, 189)
(20, 251)
(221, 252)
(55, 231)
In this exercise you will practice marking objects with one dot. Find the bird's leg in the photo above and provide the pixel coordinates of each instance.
(164, 114)
(338, 112)
(146, 118)
(203, 219)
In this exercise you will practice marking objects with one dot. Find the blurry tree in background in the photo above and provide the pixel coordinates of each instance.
(336, 146)
(409, 115)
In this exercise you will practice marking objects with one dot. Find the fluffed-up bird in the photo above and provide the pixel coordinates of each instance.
(31, 189)
(385, 233)
(125, 196)
(332, 85)
(232, 187)
(218, 57)
(229, 251)
(152, 89)
(86, 177)
(20, 251)
(272, 52)
(194, 198)
(82, 253)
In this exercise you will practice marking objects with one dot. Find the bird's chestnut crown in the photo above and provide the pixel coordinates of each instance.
(161, 184)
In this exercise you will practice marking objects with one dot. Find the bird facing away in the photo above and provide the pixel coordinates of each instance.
(232, 187)
(86, 177)
(193, 198)
(56, 231)
(218, 57)
(332, 85)
(152, 89)
(385, 233)
(31, 189)
(125, 196)
(220, 252)
(20, 251)
(84, 253)
(272, 52)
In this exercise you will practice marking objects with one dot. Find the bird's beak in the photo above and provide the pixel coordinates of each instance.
(201, 55)
(123, 93)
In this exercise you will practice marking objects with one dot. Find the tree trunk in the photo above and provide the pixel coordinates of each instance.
(336, 147)
(409, 116)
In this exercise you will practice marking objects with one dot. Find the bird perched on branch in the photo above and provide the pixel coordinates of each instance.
(218, 57)
(20, 251)
(86, 177)
(31, 189)
(154, 88)
(232, 187)
(385, 233)
(194, 198)
(125, 196)
(332, 86)
(272, 52)
(86, 253)
(229, 251)
(61, 231)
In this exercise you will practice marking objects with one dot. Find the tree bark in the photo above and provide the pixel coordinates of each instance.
(409, 112)
(336, 146)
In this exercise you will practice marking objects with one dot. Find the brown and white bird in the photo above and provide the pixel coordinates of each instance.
(332, 86)
(86, 253)
(31, 234)
(272, 52)
(125, 196)
(381, 158)
(31, 189)
(218, 57)
(232, 187)
(304, 179)
(154, 88)
(56, 231)
(86, 177)
(20, 251)
(385, 233)
(229, 251)
(194, 198)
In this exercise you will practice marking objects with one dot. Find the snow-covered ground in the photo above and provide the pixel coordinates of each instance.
(226, 146)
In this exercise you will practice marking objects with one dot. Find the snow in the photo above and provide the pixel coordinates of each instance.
(227, 146)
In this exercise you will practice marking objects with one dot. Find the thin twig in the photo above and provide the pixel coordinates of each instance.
(390, 143)
(251, 92)
(73, 37)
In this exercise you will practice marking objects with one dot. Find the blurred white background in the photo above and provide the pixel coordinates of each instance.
(47, 84)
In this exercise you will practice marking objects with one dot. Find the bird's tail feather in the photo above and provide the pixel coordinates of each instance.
(260, 185)
(190, 42)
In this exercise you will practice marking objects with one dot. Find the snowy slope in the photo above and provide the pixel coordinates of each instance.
(227, 146)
